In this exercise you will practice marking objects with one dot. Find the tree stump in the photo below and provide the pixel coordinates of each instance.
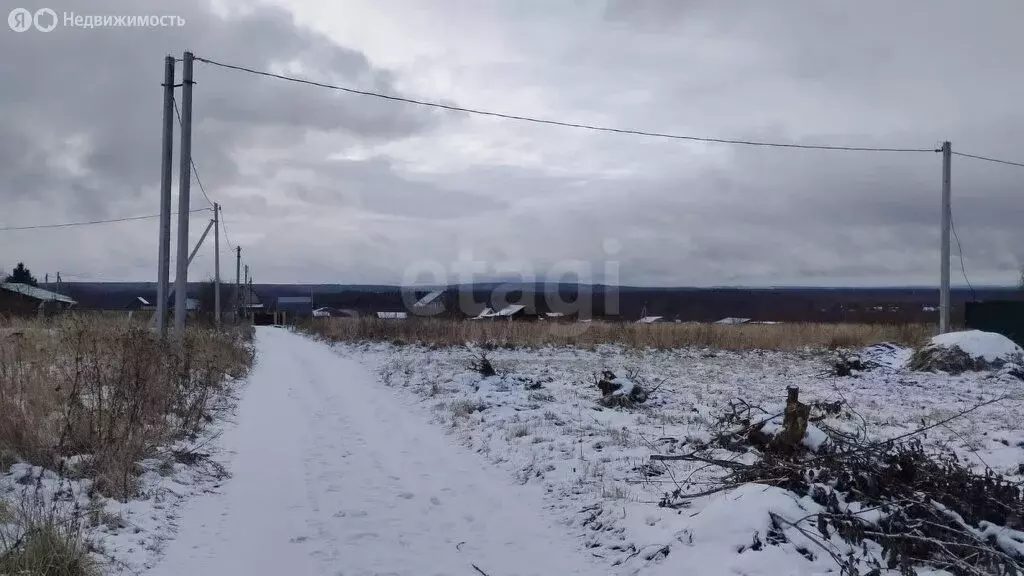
(794, 423)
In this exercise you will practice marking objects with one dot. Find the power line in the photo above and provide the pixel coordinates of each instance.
(558, 122)
(987, 159)
(224, 228)
(87, 223)
(192, 161)
(960, 249)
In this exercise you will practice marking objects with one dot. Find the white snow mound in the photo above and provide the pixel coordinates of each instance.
(988, 346)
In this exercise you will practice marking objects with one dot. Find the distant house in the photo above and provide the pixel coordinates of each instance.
(328, 312)
(253, 307)
(26, 300)
(650, 320)
(139, 303)
(392, 315)
(430, 304)
(191, 304)
(509, 312)
(733, 321)
(289, 308)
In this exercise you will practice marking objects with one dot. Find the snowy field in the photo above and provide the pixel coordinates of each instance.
(539, 419)
(378, 459)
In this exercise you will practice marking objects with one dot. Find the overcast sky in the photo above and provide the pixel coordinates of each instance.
(322, 186)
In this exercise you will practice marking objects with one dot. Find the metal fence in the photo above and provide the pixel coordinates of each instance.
(1004, 317)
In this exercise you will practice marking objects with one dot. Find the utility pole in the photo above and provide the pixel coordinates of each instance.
(944, 305)
(163, 269)
(216, 263)
(184, 184)
(248, 292)
(238, 281)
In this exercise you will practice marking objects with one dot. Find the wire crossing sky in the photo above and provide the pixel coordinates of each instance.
(378, 137)
(559, 122)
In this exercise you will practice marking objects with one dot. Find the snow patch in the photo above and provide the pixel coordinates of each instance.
(988, 346)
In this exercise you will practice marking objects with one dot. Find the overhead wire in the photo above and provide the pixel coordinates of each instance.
(89, 222)
(192, 160)
(565, 124)
(960, 250)
(953, 226)
(224, 229)
(988, 159)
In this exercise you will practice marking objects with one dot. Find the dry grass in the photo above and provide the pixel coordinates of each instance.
(109, 389)
(42, 541)
(589, 334)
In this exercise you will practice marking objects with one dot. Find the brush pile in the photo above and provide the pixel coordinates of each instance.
(620, 392)
(871, 505)
(973, 350)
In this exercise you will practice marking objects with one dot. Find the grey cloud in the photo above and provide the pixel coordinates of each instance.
(874, 73)
(104, 84)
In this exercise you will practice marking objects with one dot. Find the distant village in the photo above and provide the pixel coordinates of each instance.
(22, 294)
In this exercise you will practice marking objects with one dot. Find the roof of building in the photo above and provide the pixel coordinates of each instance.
(429, 299)
(327, 311)
(649, 320)
(142, 300)
(511, 310)
(504, 312)
(36, 293)
(393, 315)
(733, 321)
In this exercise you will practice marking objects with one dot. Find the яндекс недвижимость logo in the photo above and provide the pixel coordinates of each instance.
(21, 19)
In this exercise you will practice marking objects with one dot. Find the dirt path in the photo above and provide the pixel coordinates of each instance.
(332, 474)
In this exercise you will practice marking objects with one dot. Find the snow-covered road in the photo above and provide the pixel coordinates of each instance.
(333, 474)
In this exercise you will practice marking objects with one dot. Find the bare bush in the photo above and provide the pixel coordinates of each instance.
(449, 332)
(108, 390)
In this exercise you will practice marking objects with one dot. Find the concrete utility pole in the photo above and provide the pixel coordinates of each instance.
(944, 305)
(184, 184)
(248, 293)
(216, 263)
(238, 281)
(166, 159)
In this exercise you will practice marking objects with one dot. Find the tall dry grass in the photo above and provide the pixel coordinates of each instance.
(108, 389)
(590, 334)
